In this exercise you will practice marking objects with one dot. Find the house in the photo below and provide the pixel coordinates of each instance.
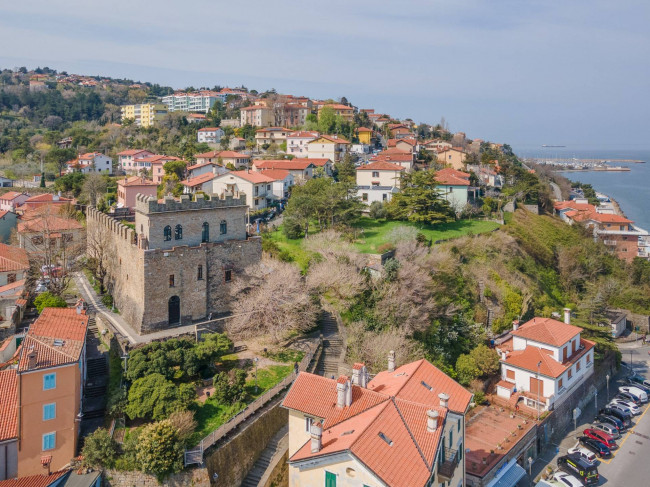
(50, 377)
(579, 205)
(365, 135)
(8, 221)
(486, 175)
(209, 135)
(44, 199)
(204, 168)
(91, 162)
(406, 144)
(271, 135)
(453, 186)
(403, 428)
(224, 157)
(237, 143)
(617, 321)
(282, 182)
(6, 182)
(396, 156)
(128, 188)
(202, 182)
(297, 142)
(325, 164)
(399, 131)
(544, 361)
(12, 200)
(126, 159)
(14, 264)
(378, 181)
(257, 187)
(301, 170)
(44, 229)
(344, 111)
(257, 116)
(195, 117)
(436, 145)
(332, 147)
(8, 423)
(199, 101)
(155, 165)
(144, 114)
(453, 157)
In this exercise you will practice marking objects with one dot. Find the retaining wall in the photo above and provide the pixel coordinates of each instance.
(196, 477)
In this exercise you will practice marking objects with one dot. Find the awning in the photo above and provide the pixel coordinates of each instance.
(510, 477)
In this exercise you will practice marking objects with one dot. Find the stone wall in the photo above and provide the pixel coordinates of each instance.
(196, 477)
(634, 320)
(233, 460)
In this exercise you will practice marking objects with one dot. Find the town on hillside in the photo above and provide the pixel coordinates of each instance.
(222, 286)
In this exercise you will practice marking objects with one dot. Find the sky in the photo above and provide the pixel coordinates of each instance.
(572, 72)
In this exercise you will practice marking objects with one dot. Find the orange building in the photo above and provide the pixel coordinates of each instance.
(51, 372)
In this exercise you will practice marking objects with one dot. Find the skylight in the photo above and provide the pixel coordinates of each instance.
(426, 385)
(386, 438)
(346, 433)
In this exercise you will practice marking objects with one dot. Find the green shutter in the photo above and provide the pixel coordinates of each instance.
(330, 479)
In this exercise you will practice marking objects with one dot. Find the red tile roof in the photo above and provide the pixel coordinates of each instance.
(290, 165)
(318, 162)
(562, 205)
(607, 218)
(380, 166)
(133, 152)
(135, 181)
(276, 174)
(47, 198)
(47, 223)
(528, 359)
(34, 480)
(303, 134)
(338, 106)
(332, 138)
(199, 180)
(252, 176)
(10, 196)
(8, 405)
(13, 258)
(215, 154)
(364, 129)
(547, 330)
(452, 177)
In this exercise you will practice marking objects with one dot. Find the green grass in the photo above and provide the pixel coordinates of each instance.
(292, 250)
(267, 378)
(375, 232)
(286, 355)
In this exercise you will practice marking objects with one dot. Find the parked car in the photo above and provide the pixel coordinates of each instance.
(620, 401)
(588, 456)
(637, 391)
(595, 446)
(610, 419)
(639, 379)
(619, 412)
(644, 388)
(564, 478)
(610, 429)
(630, 397)
(601, 436)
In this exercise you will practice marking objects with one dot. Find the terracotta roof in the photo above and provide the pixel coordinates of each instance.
(209, 129)
(223, 154)
(8, 405)
(132, 152)
(47, 198)
(3, 213)
(199, 180)
(364, 129)
(290, 165)
(547, 330)
(15, 286)
(135, 181)
(276, 174)
(505, 384)
(252, 176)
(49, 223)
(380, 166)
(34, 480)
(332, 138)
(452, 177)
(607, 218)
(529, 357)
(11, 195)
(395, 156)
(274, 129)
(338, 106)
(13, 258)
(319, 162)
(89, 156)
(562, 205)
(61, 323)
(303, 134)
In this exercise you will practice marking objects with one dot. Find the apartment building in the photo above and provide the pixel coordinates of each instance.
(126, 159)
(257, 116)
(144, 114)
(128, 188)
(12, 200)
(297, 142)
(344, 111)
(271, 135)
(332, 147)
(91, 162)
(210, 135)
(378, 181)
(223, 158)
(301, 170)
(453, 157)
(200, 101)
(257, 187)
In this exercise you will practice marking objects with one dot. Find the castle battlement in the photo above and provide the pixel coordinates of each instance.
(116, 227)
(148, 204)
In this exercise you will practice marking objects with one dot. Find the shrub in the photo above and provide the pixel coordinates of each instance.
(377, 210)
(100, 450)
(229, 386)
(385, 247)
(107, 300)
(184, 423)
(466, 369)
(49, 300)
(154, 397)
(292, 228)
(479, 397)
(116, 405)
(160, 451)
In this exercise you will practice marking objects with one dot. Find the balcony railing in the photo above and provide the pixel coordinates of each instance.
(448, 465)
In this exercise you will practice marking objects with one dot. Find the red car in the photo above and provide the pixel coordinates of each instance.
(601, 436)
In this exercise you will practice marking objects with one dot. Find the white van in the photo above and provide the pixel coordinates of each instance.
(586, 455)
(640, 393)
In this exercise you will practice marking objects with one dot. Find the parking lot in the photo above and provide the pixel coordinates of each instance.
(630, 463)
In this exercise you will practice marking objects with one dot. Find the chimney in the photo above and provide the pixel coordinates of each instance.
(391, 361)
(341, 392)
(316, 436)
(348, 392)
(567, 316)
(31, 359)
(515, 325)
(444, 400)
(504, 355)
(432, 420)
(79, 306)
(360, 375)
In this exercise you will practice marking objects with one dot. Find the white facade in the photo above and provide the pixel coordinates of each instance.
(92, 163)
(191, 102)
(455, 194)
(297, 143)
(210, 135)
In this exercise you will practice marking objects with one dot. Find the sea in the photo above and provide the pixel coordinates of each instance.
(631, 189)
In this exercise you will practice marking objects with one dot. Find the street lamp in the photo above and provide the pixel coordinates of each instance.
(539, 364)
(256, 360)
(530, 468)
(607, 378)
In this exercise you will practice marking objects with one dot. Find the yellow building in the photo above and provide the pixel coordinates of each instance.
(364, 135)
(145, 114)
(343, 110)
(404, 428)
(452, 157)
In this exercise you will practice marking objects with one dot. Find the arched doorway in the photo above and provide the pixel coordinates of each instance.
(174, 308)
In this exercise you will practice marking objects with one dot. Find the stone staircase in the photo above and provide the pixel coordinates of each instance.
(329, 362)
(277, 445)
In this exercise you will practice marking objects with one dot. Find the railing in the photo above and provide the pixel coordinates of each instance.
(195, 455)
(448, 465)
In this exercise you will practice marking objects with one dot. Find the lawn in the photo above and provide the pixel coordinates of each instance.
(375, 232)
(292, 250)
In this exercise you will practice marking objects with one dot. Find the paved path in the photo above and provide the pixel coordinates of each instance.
(330, 360)
(556, 191)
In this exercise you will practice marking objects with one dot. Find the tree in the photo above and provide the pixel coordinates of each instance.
(419, 200)
(229, 386)
(466, 369)
(49, 300)
(59, 158)
(160, 450)
(99, 253)
(93, 187)
(99, 450)
(184, 424)
(486, 359)
(154, 397)
(326, 120)
(346, 170)
(377, 210)
(176, 168)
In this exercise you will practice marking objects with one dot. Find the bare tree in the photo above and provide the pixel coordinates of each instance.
(94, 186)
(99, 254)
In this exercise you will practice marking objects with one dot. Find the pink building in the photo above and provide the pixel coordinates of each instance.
(127, 188)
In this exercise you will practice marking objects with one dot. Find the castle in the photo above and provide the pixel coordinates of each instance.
(176, 266)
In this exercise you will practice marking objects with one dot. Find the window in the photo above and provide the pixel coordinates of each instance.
(559, 384)
(49, 411)
(205, 232)
(37, 240)
(168, 233)
(364, 196)
(11, 278)
(49, 441)
(510, 374)
(308, 421)
(178, 232)
(384, 197)
(227, 275)
(171, 280)
(588, 358)
(330, 479)
(577, 366)
(375, 174)
(49, 381)
(68, 237)
(451, 438)
(268, 187)
(199, 273)
(570, 373)
(223, 227)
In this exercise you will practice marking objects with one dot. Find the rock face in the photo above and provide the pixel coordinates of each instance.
(176, 266)
(197, 477)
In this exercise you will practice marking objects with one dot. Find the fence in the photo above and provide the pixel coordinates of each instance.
(195, 455)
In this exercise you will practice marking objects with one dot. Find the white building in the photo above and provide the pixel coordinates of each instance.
(330, 147)
(126, 159)
(378, 181)
(545, 361)
(91, 162)
(257, 187)
(200, 101)
(297, 142)
(210, 135)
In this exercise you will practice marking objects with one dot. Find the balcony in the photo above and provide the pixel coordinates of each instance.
(447, 467)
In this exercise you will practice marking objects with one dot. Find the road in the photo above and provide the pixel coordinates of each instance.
(556, 191)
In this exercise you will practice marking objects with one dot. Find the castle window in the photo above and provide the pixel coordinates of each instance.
(178, 233)
(199, 273)
(227, 275)
(171, 280)
(205, 235)
(168, 233)
(223, 227)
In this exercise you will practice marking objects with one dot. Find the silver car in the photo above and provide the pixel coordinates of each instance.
(607, 428)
